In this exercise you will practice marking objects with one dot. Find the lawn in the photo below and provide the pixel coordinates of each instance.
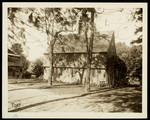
(35, 95)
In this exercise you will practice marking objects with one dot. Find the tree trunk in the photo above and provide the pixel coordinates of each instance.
(55, 75)
(89, 53)
(50, 65)
(81, 76)
(87, 82)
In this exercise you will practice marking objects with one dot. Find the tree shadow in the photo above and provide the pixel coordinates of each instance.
(60, 86)
(122, 101)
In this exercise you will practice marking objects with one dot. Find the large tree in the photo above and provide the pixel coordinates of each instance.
(132, 56)
(52, 21)
(89, 25)
(136, 50)
(54, 18)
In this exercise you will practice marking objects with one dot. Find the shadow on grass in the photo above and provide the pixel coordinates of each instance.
(128, 100)
(123, 99)
(60, 99)
(48, 101)
(60, 86)
(49, 87)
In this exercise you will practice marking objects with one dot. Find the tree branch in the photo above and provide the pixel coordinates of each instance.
(26, 32)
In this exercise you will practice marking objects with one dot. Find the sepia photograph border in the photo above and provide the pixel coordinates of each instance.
(6, 114)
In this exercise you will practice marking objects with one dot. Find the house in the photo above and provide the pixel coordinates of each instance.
(14, 65)
(69, 63)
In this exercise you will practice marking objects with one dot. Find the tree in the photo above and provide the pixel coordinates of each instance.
(135, 68)
(123, 51)
(53, 22)
(16, 33)
(38, 68)
(136, 51)
(89, 25)
(86, 23)
(132, 56)
(17, 48)
(26, 64)
(138, 16)
(50, 21)
(89, 49)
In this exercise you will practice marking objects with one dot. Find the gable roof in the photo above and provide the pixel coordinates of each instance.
(76, 43)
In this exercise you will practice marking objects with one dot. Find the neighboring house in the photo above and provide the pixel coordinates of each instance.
(14, 65)
(70, 59)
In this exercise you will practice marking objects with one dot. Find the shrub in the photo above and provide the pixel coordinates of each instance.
(26, 75)
(132, 57)
(38, 68)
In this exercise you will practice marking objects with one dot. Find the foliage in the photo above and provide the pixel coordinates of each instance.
(132, 56)
(16, 35)
(38, 68)
(26, 75)
(16, 30)
(26, 64)
(123, 52)
(53, 21)
(138, 16)
(17, 48)
(135, 67)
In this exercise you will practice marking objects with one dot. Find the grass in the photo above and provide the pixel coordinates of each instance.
(121, 99)
(57, 87)
(128, 99)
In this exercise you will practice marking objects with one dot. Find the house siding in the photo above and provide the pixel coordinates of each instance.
(14, 65)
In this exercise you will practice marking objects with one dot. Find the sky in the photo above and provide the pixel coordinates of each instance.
(120, 22)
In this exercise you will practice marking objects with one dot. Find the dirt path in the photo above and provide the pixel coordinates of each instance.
(22, 97)
(110, 101)
(65, 100)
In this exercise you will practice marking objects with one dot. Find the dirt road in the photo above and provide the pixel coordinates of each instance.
(71, 99)
(33, 100)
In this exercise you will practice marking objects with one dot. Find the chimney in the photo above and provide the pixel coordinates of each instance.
(80, 26)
